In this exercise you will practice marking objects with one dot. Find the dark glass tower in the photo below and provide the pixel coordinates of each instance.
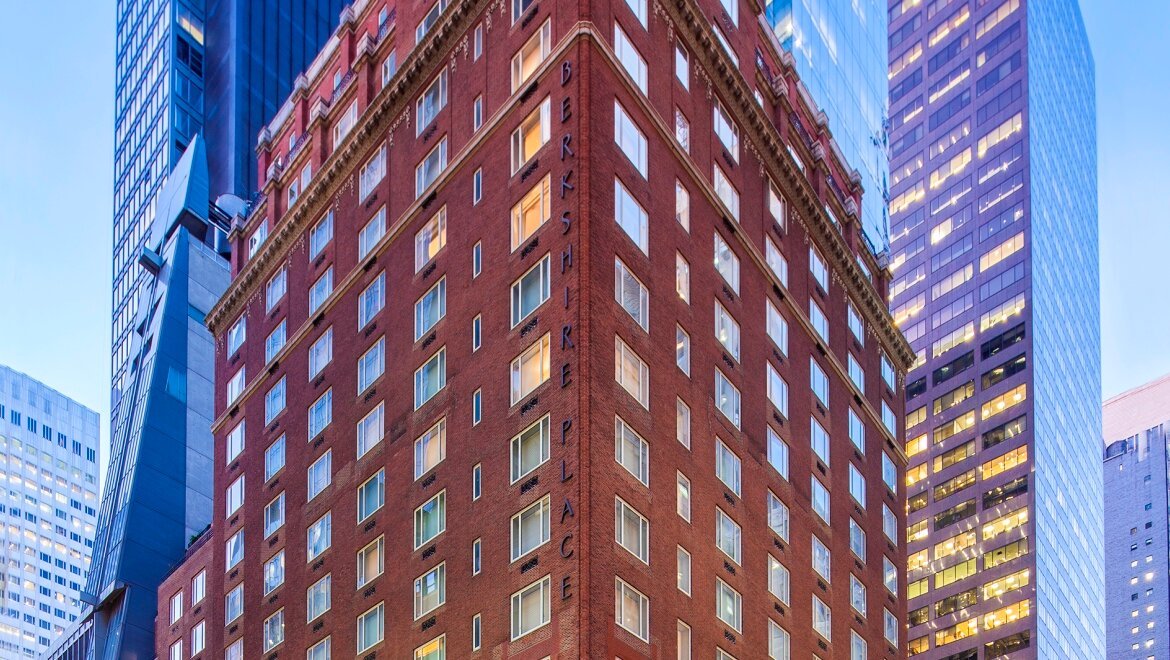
(256, 50)
(994, 239)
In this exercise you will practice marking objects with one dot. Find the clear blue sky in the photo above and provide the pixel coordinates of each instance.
(56, 144)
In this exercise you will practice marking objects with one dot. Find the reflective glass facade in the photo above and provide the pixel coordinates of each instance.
(840, 53)
(49, 466)
(994, 244)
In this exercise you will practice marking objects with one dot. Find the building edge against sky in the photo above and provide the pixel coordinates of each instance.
(295, 487)
(49, 457)
(1137, 533)
(840, 53)
(994, 237)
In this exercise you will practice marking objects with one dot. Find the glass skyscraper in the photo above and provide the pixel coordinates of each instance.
(195, 82)
(49, 466)
(994, 239)
(840, 53)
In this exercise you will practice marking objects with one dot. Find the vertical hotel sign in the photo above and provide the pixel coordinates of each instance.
(566, 190)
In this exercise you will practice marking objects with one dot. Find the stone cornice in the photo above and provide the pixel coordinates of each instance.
(335, 172)
(694, 26)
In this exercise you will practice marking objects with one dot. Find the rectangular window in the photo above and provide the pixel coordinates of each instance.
(430, 308)
(371, 495)
(371, 627)
(320, 474)
(632, 373)
(274, 515)
(320, 353)
(683, 496)
(374, 170)
(728, 536)
(319, 537)
(776, 262)
(631, 294)
(728, 605)
(725, 191)
(273, 571)
(235, 442)
(320, 414)
(530, 369)
(821, 558)
(631, 451)
(684, 570)
(682, 66)
(629, 57)
(235, 386)
(727, 466)
(530, 449)
(682, 350)
(727, 398)
(532, 134)
(430, 591)
(370, 562)
(531, 212)
(819, 381)
(531, 607)
(777, 328)
(430, 448)
(320, 291)
(631, 140)
(682, 278)
(371, 300)
(371, 233)
(632, 530)
(530, 527)
(430, 378)
(531, 290)
(371, 429)
(236, 335)
(274, 401)
(777, 453)
(682, 206)
(820, 499)
(318, 598)
(274, 630)
(632, 610)
(725, 129)
(682, 423)
(779, 580)
(726, 263)
(777, 390)
(430, 520)
(320, 235)
(234, 606)
(631, 217)
(275, 341)
(531, 55)
(430, 239)
(430, 168)
(431, 102)
(275, 289)
(727, 330)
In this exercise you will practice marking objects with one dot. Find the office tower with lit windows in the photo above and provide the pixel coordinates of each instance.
(469, 399)
(1137, 480)
(49, 466)
(839, 52)
(994, 241)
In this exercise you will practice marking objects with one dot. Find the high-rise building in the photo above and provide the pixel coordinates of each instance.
(994, 241)
(216, 67)
(157, 494)
(1137, 536)
(49, 464)
(839, 50)
(468, 402)
(166, 76)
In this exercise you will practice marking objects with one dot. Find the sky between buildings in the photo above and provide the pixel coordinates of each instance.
(56, 180)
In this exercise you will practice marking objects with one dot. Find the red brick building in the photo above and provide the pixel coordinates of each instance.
(554, 335)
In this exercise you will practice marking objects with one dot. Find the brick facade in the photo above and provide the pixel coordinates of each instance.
(580, 77)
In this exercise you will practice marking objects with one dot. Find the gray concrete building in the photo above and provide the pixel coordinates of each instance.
(48, 507)
(1137, 534)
